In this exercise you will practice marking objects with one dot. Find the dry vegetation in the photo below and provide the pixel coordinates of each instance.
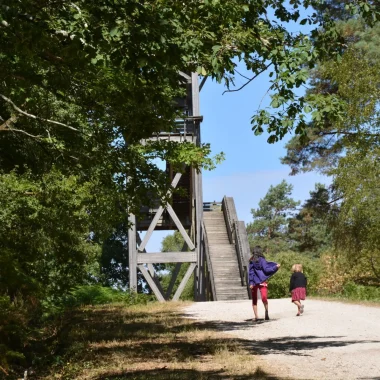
(144, 342)
(345, 300)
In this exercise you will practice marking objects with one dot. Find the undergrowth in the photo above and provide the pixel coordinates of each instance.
(155, 340)
(31, 331)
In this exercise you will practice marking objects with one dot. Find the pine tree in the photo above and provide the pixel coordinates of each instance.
(269, 228)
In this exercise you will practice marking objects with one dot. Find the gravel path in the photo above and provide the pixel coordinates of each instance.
(330, 340)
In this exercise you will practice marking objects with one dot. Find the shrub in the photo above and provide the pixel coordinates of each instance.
(361, 292)
(27, 328)
(13, 333)
(335, 273)
(279, 283)
(99, 295)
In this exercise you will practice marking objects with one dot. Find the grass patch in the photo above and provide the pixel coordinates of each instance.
(343, 299)
(153, 341)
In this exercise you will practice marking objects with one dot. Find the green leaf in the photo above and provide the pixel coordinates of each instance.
(115, 32)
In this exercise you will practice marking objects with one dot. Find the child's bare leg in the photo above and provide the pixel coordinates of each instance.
(254, 307)
(266, 310)
(298, 303)
(264, 298)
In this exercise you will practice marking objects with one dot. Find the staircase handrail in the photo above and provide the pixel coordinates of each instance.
(208, 260)
(237, 235)
(242, 250)
(230, 216)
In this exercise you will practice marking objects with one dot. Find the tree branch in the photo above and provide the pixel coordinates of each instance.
(335, 200)
(7, 127)
(348, 133)
(8, 123)
(250, 80)
(241, 75)
(3, 370)
(36, 117)
(270, 87)
(25, 133)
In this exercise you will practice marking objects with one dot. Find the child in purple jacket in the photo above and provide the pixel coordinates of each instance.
(259, 271)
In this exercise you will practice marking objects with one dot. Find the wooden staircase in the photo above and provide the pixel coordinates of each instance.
(223, 258)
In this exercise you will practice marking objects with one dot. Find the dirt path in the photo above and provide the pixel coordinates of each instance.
(330, 340)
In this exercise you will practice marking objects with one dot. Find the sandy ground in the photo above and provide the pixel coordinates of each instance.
(331, 340)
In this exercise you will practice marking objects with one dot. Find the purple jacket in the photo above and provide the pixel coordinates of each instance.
(260, 271)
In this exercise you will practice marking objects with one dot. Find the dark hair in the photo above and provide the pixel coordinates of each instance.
(257, 252)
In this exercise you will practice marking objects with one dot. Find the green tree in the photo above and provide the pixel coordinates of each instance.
(356, 232)
(114, 263)
(348, 149)
(110, 71)
(46, 250)
(269, 228)
(310, 229)
(355, 82)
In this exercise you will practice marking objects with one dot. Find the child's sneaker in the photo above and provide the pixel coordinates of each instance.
(266, 316)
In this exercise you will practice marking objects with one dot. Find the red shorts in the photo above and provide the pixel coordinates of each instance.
(263, 288)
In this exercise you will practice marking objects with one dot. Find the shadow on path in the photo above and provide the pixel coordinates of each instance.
(184, 374)
(290, 345)
(286, 345)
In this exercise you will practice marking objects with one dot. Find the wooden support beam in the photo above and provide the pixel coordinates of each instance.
(151, 269)
(195, 94)
(179, 225)
(151, 283)
(184, 282)
(155, 278)
(186, 76)
(157, 217)
(151, 228)
(166, 257)
(175, 274)
(202, 82)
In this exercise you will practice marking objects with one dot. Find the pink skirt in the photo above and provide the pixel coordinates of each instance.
(298, 294)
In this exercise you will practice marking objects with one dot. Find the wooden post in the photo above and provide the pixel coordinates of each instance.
(132, 252)
(200, 272)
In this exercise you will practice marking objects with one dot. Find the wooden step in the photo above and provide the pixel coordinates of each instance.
(223, 257)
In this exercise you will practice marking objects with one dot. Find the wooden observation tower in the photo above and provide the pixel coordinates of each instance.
(216, 244)
(183, 214)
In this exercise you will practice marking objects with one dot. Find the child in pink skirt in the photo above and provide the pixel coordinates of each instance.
(298, 283)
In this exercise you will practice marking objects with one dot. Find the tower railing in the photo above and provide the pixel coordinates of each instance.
(210, 273)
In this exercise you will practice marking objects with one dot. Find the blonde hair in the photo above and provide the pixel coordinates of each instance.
(297, 268)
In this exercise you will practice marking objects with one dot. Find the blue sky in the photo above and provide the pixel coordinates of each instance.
(251, 164)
